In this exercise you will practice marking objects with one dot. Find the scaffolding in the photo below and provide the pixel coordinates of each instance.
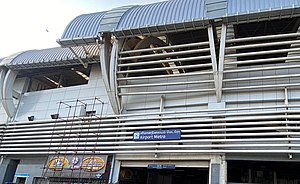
(72, 159)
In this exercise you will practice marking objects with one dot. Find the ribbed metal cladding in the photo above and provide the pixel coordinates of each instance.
(215, 8)
(235, 130)
(167, 12)
(112, 18)
(83, 30)
(52, 57)
(169, 68)
(245, 6)
(2, 128)
(83, 25)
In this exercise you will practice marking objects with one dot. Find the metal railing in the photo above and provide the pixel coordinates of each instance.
(274, 56)
(139, 69)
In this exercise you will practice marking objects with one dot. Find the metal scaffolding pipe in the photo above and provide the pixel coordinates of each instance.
(166, 47)
(21, 124)
(195, 146)
(139, 63)
(165, 84)
(262, 60)
(263, 45)
(212, 129)
(258, 38)
(118, 128)
(104, 122)
(167, 76)
(166, 92)
(164, 124)
(45, 142)
(262, 68)
(262, 78)
(262, 86)
(165, 54)
(256, 53)
(164, 68)
(242, 151)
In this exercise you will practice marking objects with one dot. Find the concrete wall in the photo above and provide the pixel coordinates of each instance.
(31, 166)
(41, 104)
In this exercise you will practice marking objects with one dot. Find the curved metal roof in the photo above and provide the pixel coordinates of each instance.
(111, 18)
(53, 57)
(236, 7)
(82, 30)
(162, 13)
(171, 15)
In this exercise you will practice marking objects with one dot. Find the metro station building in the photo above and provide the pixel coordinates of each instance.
(175, 92)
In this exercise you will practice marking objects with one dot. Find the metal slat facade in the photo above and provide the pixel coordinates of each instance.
(272, 131)
(232, 92)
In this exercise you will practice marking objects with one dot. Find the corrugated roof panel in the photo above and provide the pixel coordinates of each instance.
(167, 12)
(215, 8)
(51, 57)
(112, 18)
(250, 6)
(83, 26)
(82, 30)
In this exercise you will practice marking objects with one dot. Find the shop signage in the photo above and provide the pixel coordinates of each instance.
(153, 135)
(58, 163)
(92, 164)
(77, 165)
(161, 166)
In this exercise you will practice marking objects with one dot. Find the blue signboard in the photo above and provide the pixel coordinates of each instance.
(155, 135)
(161, 166)
(22, 175)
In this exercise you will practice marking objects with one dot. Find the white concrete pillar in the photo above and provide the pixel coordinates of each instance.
(115, 171)
(218, 170)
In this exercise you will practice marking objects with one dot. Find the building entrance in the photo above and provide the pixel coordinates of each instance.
(139, 175)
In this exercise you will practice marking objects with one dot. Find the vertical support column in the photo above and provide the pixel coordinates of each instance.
(107, 70)
(7, 93)
(294, 53)
(115, 171)
(7, 170)
(104, 58)
(213, 59)
(113, 75)
(218, 170)
(221, 60)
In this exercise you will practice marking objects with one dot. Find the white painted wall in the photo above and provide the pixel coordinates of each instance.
(41, 104)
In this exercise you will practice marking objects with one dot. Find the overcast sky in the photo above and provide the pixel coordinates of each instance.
(36, 24)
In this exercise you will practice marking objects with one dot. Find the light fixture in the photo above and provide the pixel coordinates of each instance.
(54, 116)
(90, 113)
(290, 156)
(30, 118)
